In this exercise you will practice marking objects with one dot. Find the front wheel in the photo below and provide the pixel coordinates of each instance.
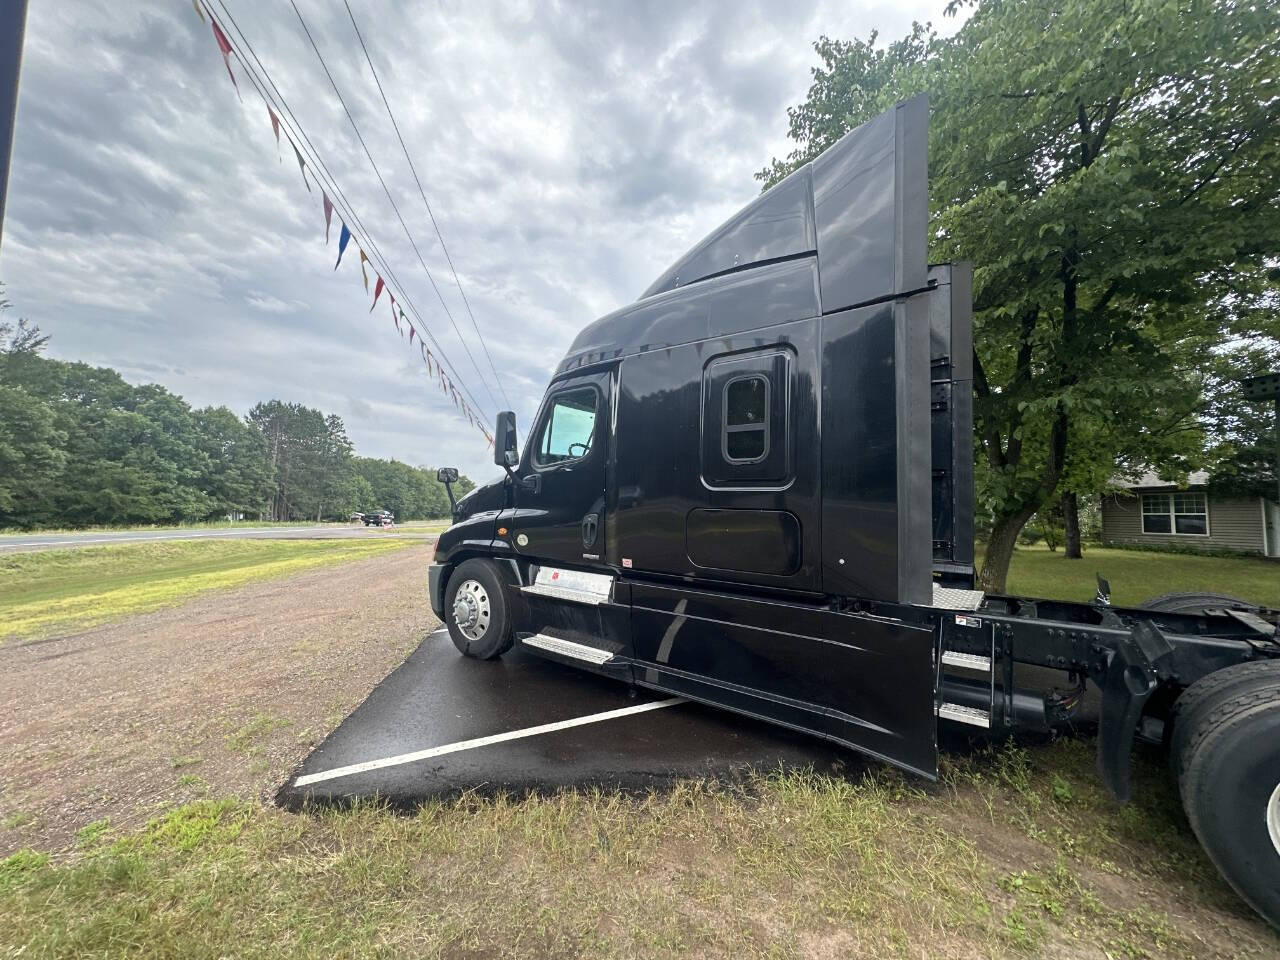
(1228, 764)
(475, 608)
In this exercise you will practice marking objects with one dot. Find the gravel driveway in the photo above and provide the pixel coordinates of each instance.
(223, 695)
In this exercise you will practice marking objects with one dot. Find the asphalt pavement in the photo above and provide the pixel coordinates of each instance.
(46, 541)
(442, 725)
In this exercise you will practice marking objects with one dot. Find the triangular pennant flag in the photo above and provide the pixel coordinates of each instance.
(377, 292)
(396, 319)
(196, 4)
(412, 332)
(363, 260)
(275, 128)
(224, 45)
(426, 356)
(302, 165)
(328, 215)
(343, 239)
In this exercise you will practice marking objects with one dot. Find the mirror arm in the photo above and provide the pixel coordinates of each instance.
(453, 504)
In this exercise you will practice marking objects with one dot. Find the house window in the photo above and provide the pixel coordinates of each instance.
(1181, 513)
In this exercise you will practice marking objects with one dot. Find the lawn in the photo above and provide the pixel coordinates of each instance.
(1138, 575)
(1015, 852)
(52, 590)
(161, 527)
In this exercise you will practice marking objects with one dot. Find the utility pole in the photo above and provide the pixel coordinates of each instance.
(13, 26)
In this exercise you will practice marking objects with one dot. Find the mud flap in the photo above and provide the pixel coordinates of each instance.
(1136, 667)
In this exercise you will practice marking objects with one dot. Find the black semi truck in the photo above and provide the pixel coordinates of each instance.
(753, 487)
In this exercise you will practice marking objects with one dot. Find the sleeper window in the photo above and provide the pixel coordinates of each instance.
(746, 419)
(569, 427)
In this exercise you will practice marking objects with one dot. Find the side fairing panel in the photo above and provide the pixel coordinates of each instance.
(779, 224)
(864, 682)
(870, 196)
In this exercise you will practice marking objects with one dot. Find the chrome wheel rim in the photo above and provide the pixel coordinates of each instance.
(471, 609)
(1273, 818)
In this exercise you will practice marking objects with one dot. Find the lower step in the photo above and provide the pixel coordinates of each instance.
(567, 648)
(961, 714)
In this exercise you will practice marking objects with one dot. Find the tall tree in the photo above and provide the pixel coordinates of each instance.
(237, 470)
(1112, 168)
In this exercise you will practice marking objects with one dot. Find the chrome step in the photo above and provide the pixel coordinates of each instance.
(953, 598)
(567, 648)
(962, 714)
(969, 661)
(564, 593)
(572, 585)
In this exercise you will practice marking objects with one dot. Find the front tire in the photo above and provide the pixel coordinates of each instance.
(476, 611)
(1227, 758)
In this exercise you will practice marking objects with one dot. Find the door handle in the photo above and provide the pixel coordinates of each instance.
(533, 482)
(590, 525)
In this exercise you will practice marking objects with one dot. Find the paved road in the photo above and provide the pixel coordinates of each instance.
(45, 541)
(441, 725)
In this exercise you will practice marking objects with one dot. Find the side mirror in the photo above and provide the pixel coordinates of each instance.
(449, 476)
(505, 453)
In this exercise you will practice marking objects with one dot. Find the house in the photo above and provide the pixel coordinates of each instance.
(1154, 512)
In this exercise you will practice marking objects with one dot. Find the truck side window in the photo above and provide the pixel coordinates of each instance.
(568, 428)
(746, 419)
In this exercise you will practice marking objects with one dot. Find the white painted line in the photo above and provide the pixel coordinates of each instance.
(368, 765)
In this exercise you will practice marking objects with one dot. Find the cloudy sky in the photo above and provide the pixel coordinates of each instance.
(570, 154)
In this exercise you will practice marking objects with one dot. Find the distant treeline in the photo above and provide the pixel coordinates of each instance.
(79, 446)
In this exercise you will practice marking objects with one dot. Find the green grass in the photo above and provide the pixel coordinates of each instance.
(1138, 575)
(52, 590)
(1014, 853)
(159, 527)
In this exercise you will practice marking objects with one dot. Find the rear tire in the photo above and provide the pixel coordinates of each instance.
(1194, 603)
(476, 611)
(1207, 692)
(1227, 759)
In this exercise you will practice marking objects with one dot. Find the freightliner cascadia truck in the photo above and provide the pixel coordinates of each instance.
(753, 487)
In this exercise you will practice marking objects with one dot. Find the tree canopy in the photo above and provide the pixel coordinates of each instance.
(1112, 169)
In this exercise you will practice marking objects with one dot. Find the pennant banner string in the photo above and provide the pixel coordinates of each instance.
(226, 48)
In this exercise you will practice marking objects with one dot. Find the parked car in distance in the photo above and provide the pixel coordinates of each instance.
(379, 518)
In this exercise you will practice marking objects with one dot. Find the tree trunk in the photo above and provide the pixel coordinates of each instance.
(1004, 537)
(1071, 518)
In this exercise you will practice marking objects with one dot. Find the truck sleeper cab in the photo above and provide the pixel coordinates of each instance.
(753, 487)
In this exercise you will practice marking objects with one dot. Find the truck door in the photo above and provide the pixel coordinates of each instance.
(560, 484)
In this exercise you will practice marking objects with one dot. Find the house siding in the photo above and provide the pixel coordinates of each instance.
(1234, 524)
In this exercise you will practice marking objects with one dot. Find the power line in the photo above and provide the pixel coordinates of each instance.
(345, 208)
(390, 199)
(422, 193)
